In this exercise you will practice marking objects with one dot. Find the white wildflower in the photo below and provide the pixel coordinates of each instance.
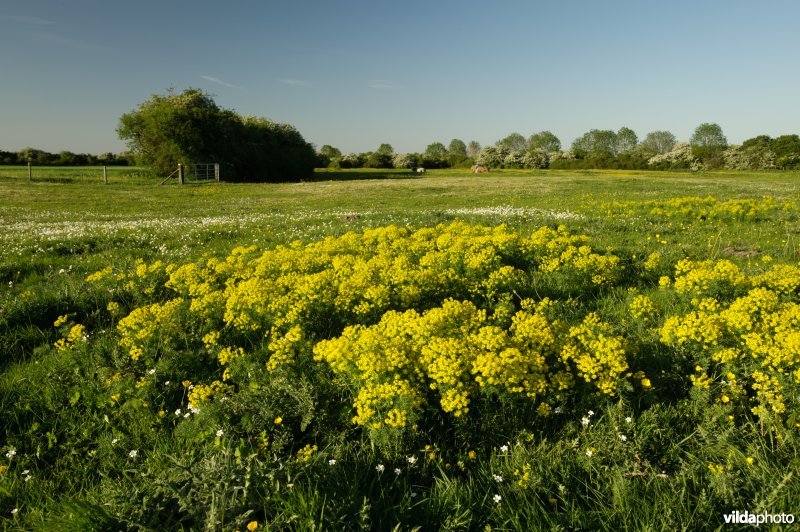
(497, 498)
(497, 478)
(380, 468)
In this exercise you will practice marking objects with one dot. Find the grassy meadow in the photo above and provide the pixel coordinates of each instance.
(523, 350)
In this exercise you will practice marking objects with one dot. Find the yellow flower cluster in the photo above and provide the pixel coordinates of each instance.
(77, 333)
(306, 453)
(708, 277)
(642, 308)
(203, 393)
(652, 262)
(700, 209)
(559, 250)
(455, 350)
(283, 294)
(145, 328)
(598, 354)
(755, 339)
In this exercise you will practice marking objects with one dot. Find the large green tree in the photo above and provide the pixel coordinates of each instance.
(456, 152)
(596, 142)
(626, 140)
(189, 127)
(708, 143)
(513, 142)
(658, 142)
(544, 141)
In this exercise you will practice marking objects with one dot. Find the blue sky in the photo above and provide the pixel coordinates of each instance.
(355, 74)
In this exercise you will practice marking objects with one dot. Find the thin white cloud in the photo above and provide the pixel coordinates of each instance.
(77, 44)
(382, 84)
(220, 82)
(27, 20)
(301, 82)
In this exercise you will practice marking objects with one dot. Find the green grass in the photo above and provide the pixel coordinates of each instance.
(54, 407)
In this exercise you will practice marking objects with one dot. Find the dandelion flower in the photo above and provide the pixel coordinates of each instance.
(278, 420)
(252, 525)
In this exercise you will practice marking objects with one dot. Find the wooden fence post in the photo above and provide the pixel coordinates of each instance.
(105, 175)
(216, 171)
(180, 173)
(30, 172)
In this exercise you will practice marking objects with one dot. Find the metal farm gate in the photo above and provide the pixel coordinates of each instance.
(195, 173)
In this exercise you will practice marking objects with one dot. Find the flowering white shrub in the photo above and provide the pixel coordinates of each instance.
(679, 157)
(752, 158)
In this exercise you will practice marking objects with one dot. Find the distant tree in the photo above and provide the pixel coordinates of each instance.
(329, 151)
(385, 149)
(658, 142)
(786, 145)
(708, 143)
(626, 140)
(544, 141)
(456, 152)
(596, 142)
(189, 128)
(35, 156)
(473, 148)
(380, 158)
(513, 143)
(761, 141)
(435, 156)
(328, 156)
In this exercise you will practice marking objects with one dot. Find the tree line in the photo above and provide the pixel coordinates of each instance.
(188, 127)
(708, 148)
(65, 158)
